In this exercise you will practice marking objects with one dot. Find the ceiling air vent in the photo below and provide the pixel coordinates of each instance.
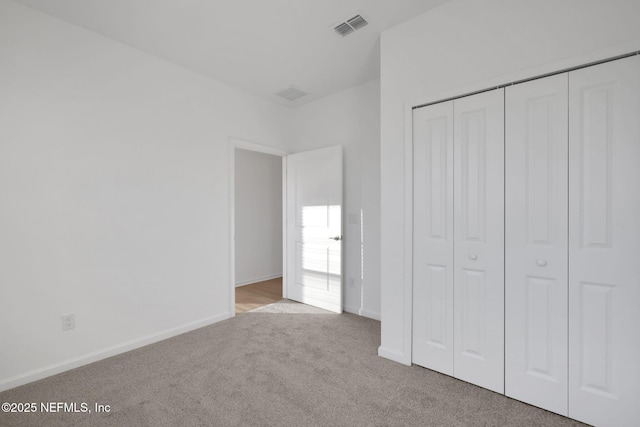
(357, 22)
(351, 24)
(291, 93)
(344, 29)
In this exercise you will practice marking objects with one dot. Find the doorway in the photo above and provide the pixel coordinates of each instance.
(310, 226)
(256, 194)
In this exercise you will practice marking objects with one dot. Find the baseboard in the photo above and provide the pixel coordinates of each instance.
(370, 314)
(362, 312)
(258, 279)
(352, 310)
(57, 368)
(393, 355)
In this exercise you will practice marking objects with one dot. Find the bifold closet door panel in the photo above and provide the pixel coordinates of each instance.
(433, 237)
(479, 239)
(536, 216)
(604, 243)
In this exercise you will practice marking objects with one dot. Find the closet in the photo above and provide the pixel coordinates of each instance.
(526, 245)
(536, 242)
(459, 236)
(604, 243)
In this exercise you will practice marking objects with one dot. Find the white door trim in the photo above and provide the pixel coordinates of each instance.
(234, 143)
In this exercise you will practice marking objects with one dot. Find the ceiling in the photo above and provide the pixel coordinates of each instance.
(259, 46)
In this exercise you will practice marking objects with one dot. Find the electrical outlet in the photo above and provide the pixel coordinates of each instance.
(68, 321)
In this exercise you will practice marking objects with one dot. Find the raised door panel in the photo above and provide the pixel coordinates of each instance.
(479, 239)
(604, 243)
(536, 272)
(433, 237)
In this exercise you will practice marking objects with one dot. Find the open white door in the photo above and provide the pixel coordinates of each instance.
(314, 228)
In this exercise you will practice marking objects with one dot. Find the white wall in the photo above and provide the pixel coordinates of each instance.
(461, 46)
(258, 216)
(352, 119)
(114, 183)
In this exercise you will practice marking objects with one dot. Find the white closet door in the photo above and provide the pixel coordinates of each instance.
(536, 209)
(433, 237)
(604, 244)
(479, 239)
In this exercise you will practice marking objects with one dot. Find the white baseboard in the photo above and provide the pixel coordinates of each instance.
(258, 279)
(362, 312)
(352, 310)
(370, 314)
(393, 355)
(47, 371)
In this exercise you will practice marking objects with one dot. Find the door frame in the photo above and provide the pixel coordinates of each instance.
(234, 143)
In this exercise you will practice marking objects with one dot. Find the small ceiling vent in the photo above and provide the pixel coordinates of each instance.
(357, 22)
(352, 24)
(344, 29)
(291, 93)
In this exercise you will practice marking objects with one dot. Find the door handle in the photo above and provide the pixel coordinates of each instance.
(336, 238)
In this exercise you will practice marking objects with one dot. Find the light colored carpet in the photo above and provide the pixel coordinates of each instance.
(286, 306)
(266, 368)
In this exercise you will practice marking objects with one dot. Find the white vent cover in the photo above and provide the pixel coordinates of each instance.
(291, 93)
(350, 25)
